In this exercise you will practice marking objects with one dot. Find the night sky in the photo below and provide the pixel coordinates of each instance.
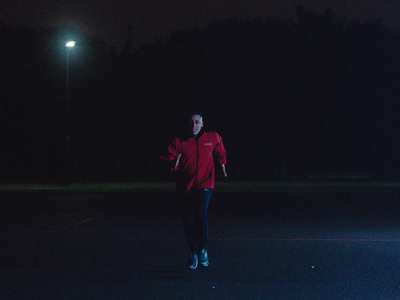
(156, 19)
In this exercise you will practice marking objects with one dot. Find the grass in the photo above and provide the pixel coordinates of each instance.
(221, 187)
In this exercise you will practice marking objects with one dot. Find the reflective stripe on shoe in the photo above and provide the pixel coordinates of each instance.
(193, 261)
(205, 263)
(203, 258)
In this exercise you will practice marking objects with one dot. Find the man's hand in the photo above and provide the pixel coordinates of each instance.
(224, 170)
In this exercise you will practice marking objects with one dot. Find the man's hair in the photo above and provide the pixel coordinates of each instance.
(196, 112)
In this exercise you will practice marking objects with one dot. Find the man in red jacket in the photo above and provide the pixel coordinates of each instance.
(192, 159)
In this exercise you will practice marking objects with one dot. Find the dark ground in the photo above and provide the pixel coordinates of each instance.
(262, 246)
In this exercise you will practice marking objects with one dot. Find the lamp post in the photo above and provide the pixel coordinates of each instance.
(69, 45)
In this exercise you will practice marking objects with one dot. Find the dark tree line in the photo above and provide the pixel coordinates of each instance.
(314, 96)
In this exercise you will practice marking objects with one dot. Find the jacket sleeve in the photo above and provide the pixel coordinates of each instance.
(171, 154)
(220, 151)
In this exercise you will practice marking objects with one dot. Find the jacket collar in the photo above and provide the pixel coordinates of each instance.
(199, 134)
(189, 136)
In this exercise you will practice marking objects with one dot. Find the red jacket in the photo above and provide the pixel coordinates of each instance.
(196, 165)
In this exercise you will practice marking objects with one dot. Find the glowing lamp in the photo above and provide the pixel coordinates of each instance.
(70, 44)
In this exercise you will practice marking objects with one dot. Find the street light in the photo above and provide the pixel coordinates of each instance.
(69, 45)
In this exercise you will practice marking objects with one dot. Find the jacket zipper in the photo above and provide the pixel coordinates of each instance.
(197, 160)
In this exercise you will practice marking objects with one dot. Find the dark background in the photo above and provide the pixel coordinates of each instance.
(293, 100)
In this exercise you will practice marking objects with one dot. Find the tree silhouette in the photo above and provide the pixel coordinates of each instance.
(313, 96)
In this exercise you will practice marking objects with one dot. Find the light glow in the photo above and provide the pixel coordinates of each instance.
(70, 44)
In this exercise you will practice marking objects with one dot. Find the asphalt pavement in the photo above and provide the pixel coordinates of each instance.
(130, 245)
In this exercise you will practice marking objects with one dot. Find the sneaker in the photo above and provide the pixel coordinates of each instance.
(193, 260)
(203, 258)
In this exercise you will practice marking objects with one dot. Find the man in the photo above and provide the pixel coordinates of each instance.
(192, 158)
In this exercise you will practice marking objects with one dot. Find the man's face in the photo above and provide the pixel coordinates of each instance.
(196, 123)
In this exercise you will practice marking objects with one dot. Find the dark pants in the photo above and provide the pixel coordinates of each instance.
(194, 206)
